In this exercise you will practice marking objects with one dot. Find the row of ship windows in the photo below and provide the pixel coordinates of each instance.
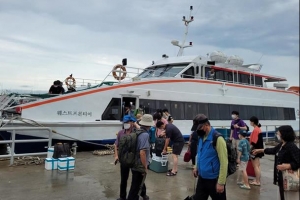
(188, 110)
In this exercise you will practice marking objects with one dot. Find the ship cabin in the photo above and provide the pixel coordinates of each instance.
(230, 70)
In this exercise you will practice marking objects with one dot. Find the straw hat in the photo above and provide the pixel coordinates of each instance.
(147, 120)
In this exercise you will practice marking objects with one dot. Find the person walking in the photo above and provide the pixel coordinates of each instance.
(287, 157)
(212, 163)
(256, 142)
(139, 172)
(237, 124)
(193, 140)
(129, 125)
(242, 160)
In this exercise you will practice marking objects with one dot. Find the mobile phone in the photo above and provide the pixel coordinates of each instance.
(116, 161)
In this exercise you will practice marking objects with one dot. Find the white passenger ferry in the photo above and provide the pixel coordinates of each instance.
(179, 84)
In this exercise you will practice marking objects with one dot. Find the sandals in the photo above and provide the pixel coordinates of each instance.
(170, 173)
(254, 183)
(240, 183)
(170, 170)
(245, 187)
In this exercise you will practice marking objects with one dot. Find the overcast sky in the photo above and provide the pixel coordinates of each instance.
(41, 41)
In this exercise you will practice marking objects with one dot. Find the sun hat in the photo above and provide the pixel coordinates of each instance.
(147, 120)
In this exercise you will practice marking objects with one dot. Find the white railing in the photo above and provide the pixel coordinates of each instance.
(132, 72)
(265, 128)
(13, 141)
(81, 82)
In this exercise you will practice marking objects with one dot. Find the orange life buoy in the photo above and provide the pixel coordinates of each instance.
(124, 72)
(70, 82)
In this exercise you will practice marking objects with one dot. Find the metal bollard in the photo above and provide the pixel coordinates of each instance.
(74, 148)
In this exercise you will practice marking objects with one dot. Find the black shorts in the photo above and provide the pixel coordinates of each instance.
(177, 147)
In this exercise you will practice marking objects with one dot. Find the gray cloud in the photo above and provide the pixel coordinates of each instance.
(52, 39)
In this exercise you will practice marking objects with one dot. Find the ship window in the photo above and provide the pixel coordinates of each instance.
(149, 106)
(280, 112)
(259, 112)
(177, 110)
(191, 110)
(286, 112)
(213, 111)
(146, 73)
(267, 113)
(113, 110)
(244, 78)
(250, 112)
(229, 76)
(219, 75)
(292, 114)
(203, 109)
(243, 112)
(274, 113)
(172, 71)
(163, 105)
(189, 73)
(224, 111)
(258, 81)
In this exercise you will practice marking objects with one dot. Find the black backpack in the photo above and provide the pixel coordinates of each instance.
(159, 146)
(127, 148)
(61, 150)
(231, 153)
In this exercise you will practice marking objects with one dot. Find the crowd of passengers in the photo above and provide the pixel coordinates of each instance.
(209, 163)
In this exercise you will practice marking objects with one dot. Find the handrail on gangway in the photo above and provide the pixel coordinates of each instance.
(13, 141)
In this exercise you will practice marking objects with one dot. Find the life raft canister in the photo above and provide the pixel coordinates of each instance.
(122, 74)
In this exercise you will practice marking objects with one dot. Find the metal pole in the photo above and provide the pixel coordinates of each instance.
(12, 149)
(267, 134)
(50, 138)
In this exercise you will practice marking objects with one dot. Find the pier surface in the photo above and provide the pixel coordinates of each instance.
(97, 178)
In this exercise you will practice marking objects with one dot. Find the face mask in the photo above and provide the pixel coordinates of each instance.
(278, 137)
(201, 133)
(233, 116)
(126, 126)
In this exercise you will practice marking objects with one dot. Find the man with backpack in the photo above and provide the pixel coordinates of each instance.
(129, 124)
(212, 162)
(141, 158)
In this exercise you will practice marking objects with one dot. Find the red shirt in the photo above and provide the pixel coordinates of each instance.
(254, 135)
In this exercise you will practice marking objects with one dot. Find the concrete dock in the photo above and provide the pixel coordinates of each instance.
(97, 178)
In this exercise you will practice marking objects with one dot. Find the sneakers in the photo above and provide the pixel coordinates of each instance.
(145, 197)
(245, 187)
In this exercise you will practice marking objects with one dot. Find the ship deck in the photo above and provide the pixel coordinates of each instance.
(96, 177)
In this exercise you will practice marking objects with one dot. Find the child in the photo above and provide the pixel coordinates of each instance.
(242, 159)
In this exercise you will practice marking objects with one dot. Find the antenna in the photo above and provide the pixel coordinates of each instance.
(260, 58)
(186, 23)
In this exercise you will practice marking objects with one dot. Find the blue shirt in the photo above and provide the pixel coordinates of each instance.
(244, 147)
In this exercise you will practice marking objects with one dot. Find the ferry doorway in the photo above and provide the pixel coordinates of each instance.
(130, 105)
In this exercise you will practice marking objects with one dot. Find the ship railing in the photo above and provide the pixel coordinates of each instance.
(83, 82)
(134, 73)
(13, 141)
(270, 131)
